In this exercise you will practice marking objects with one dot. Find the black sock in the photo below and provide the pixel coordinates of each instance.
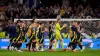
(74, 46)
(8, 47)
(26, 45)
(12, 44)
(70, 44)
(50, 46)
(33, 44)
(15, 44)
(80, 46)
(40, 47)
(29, 44)
(19, 45)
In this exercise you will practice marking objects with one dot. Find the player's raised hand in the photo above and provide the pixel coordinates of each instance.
(64, 25)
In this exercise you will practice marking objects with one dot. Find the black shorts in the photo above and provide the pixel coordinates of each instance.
(51, 38)
(73, 39)
(32, 38)
(41, 40)
(79, 39)
(12, 38)
(19, 38)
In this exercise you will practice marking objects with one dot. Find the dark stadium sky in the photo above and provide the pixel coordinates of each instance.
(60, 2)
(51, 2)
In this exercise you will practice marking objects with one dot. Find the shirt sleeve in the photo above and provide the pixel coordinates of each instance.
(29, 31)
(58, 26)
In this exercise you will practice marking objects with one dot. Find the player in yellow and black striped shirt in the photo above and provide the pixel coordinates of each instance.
(79, 37)
(73, 36)
(41, 35)
(31, 33)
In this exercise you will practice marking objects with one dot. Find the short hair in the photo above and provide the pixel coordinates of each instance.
(33, 20)
(74, 21)
(58, 19)
(78, 23)
(18, 21)
(38, 22)
(50, 22)
(41, 23)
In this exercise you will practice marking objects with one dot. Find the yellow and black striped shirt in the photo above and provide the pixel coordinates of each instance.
(73, 32)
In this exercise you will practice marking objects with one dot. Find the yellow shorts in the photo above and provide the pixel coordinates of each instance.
(58, 36)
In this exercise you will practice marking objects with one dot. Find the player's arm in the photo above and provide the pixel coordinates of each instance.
(60, 28)
(29, 31)
(81, 29)
(38, 29)
(44, 30)
(51, 29)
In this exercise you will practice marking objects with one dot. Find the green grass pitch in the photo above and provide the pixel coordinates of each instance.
(87, 52)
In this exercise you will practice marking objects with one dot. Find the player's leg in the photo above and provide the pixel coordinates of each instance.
(70, 44)
(9, 45)
(80, 44)
(50, 46)
(51, 41)
(39, 37)
(30, 45)
(56, 41)
(13, 44)
(33, 44)
(74, 44)
(27, 42)
(37, 43)
(42, 45)
(19, 44)
(61, 42)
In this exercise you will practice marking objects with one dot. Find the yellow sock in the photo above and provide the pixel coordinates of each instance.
(55, 44)
(62, 44)
(37, 45)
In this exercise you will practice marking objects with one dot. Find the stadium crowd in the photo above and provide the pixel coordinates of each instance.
(22, 11)
(15, 9)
